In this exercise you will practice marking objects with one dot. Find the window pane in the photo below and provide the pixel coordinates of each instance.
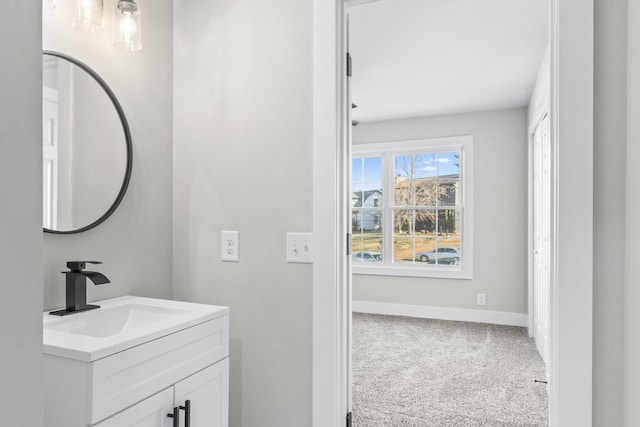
(371, 221)
(424, 246)
(449, 193)
(414, 221)
(356, 196)
(425, 221)
(448, 163)
(356, 222)
(404, 236)
(448, 239)
(403, 249)
(403, 174)
(372, 199)
(366, 198)
(367, 182)
(415, 180)
(356, 170)
(449, 179)
(403, 221)
(426, 192)
(356, 232)
(449, 222)
(373, 169)
(366, 242)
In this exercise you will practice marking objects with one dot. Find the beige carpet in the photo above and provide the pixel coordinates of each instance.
(435, 373)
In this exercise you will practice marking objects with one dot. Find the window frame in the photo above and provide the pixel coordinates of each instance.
(387, 151)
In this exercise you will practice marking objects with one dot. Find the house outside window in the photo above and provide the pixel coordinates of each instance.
(412, 208)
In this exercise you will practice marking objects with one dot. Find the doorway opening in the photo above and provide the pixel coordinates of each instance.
(428, 72)
(571, 107)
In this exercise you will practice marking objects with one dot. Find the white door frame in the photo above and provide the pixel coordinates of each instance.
(571, 112)
(329, 358)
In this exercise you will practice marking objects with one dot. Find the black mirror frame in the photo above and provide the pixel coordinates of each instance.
(127, 135)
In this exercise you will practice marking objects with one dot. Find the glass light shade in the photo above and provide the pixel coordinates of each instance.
(87, 15)
(48, 4)
(126, 26)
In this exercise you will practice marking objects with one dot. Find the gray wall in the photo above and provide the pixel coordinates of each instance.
(135, 243)
(243, 161)
(500, 213)
(21, 216)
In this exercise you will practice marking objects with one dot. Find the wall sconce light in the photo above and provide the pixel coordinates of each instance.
(87, 15)
(126, 25)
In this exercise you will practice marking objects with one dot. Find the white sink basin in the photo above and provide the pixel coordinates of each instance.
(120, 323)
(114, 320)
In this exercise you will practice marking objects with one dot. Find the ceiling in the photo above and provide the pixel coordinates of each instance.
(415, 58)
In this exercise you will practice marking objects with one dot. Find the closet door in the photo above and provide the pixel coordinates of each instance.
(204, 397)
(541, 235)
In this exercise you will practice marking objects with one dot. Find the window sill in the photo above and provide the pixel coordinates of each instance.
(414, 271)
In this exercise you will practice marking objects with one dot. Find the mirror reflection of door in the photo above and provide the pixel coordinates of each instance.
(49, 157)
(86, 146)
(57, 116)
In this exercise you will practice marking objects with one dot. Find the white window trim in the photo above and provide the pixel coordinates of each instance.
(386, 149)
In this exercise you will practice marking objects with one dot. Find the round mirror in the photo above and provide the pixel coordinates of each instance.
(86, 146)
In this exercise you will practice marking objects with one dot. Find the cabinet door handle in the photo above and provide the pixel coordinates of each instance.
(175, 416)
(187, 413)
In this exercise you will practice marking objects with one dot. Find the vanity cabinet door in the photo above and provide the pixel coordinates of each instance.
(151, 412)
(208, 393)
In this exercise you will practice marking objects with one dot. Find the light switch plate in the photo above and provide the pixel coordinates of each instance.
(229, 246)
(300, 247)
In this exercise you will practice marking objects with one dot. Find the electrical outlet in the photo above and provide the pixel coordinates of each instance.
(482, 299)
(229, 246)
(300, 247)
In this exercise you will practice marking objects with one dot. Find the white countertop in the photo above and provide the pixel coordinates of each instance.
(66, 336)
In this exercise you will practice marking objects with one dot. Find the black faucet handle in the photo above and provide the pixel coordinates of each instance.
(80, 265)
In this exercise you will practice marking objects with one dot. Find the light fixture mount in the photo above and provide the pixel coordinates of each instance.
(127, 6)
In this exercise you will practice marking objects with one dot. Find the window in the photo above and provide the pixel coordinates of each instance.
(412, 208)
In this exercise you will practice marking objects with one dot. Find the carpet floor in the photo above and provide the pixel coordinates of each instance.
(435, 373)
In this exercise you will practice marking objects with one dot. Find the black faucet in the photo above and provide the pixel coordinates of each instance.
(77, 287)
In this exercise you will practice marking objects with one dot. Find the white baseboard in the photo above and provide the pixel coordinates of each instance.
(442, 313)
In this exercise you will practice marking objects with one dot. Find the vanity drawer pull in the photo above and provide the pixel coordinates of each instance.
(187, 413)
(175, 416)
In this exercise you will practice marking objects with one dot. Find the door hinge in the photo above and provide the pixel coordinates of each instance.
(348, 64)
(349, 246)
(349, 416)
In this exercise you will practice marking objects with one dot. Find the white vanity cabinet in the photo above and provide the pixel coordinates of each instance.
(206, 392)
(140, 379)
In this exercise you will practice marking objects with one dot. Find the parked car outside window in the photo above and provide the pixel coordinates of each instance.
(445, 261)
(367, 256)
(438, 254)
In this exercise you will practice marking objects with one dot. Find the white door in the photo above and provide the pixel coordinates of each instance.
(546, 238)
(207, 393)
(49, 157)
(541, 236)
